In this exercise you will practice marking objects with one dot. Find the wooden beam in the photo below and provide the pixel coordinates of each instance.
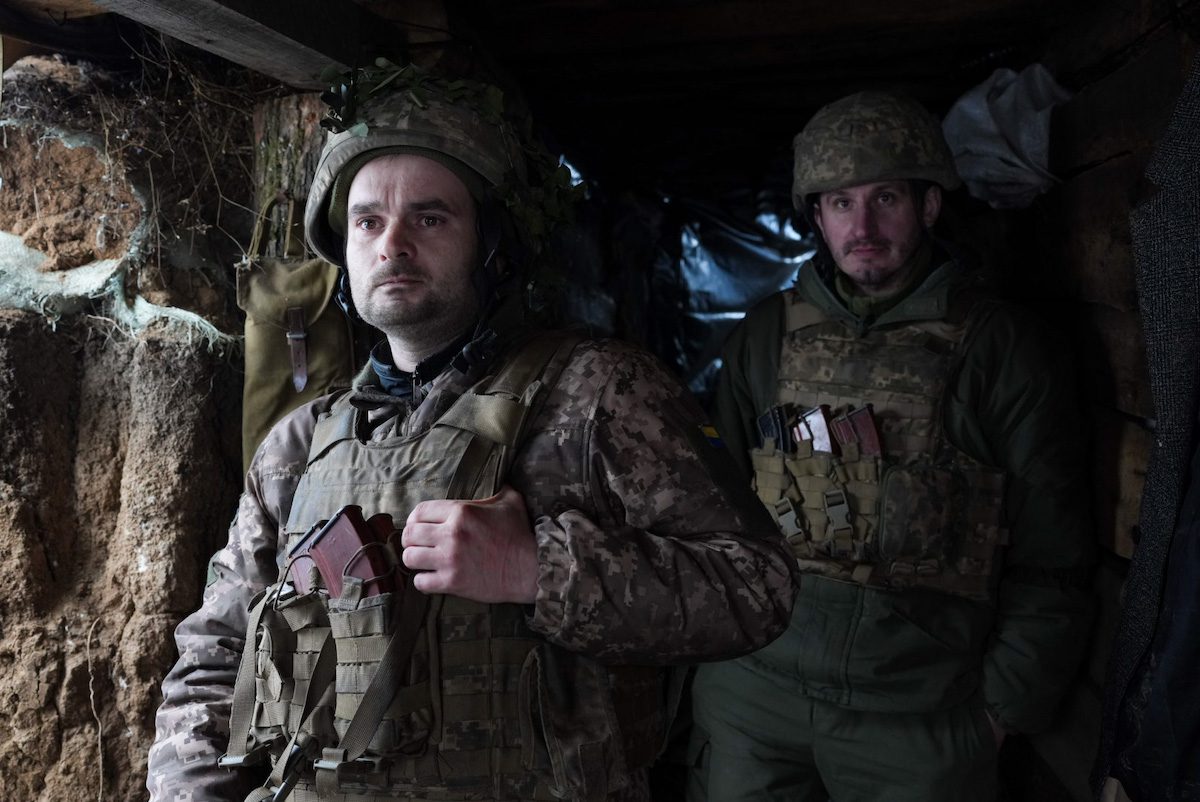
(290, 40)
(13, 49)
(573, 28)
(56, 10)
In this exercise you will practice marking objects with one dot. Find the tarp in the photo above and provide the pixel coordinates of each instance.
(728, 258)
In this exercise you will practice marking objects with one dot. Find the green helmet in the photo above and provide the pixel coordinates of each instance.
(869, 137)
(458, 123)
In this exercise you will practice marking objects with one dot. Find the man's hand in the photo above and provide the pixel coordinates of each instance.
(481, 550)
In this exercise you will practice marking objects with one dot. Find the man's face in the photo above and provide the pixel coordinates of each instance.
(411, 249)
(872, 230)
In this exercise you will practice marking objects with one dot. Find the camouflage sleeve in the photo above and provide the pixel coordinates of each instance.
(192, 725)
(1019, 410)
(651, 549)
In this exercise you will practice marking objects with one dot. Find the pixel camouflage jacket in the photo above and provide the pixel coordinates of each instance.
(647, 554)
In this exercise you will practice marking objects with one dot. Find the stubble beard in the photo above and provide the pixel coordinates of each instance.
(438, 316)
(877, 279)
(874, 277)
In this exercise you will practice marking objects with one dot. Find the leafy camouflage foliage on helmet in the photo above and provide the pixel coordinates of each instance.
(869, 137)
(390, 105)
(352, 94)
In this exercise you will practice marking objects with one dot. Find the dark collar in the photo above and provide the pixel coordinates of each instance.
(405, 384)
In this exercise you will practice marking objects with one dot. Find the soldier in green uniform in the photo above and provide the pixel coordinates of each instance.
(562, 535)
(919, 445)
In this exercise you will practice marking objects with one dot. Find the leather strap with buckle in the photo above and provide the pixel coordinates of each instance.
(296, 337)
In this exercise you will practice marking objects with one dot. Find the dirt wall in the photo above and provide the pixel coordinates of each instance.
(120, 400)
(117, 477)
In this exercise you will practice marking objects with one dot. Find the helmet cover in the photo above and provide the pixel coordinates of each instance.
(869, 137)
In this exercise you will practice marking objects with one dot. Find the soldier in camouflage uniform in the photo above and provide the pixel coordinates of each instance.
(564, 523)
(919, 446)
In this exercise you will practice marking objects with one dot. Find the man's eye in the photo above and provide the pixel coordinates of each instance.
(841, 203)
(366, 224)
(886, 197)
(429, 221)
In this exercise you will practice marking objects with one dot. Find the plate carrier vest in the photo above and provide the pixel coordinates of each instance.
(408, 696)
(925, 514)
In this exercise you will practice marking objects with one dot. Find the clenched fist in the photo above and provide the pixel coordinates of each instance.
(481, 550)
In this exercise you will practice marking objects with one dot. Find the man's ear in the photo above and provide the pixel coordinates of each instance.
(932, 206)
(816, 217)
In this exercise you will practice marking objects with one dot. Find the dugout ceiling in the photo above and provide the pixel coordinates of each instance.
(690, 96)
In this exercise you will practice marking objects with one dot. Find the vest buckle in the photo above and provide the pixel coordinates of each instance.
(331, 759)
(837, 508)
(366, 770)
(788, 518)
(253, 757)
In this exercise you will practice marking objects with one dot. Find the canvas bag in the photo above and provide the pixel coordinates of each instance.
(299, 343)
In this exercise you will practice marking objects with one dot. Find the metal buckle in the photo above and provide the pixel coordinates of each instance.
(330, 760)
(929, 567)
(251, 758)
(357, 770)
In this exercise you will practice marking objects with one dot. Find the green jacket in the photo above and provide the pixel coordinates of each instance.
(1011, 405)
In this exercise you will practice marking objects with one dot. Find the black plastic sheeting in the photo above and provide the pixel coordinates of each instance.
(721, 261)
(674, 275)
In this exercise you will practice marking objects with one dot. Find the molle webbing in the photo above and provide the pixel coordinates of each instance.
(454, 697)
(452, 726)
(279, 683)
(923, 514)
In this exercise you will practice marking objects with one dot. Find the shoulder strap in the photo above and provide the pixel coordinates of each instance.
(530, 364)
(499, 409)
(242, 708)
(338, 424)
(509, 399)
(411, 608)
(244, 690)
(965, 306)
(965, 300)
(799, 313)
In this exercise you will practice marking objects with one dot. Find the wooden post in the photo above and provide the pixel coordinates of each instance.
(288, 138)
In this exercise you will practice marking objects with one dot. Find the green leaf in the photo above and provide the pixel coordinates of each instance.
(385, 81)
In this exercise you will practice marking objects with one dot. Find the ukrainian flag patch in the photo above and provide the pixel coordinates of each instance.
(711, 435)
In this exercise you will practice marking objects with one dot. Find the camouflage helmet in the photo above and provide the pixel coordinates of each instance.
(869, 137)
(458, 123)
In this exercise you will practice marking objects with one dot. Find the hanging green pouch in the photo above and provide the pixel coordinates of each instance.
(299, 343)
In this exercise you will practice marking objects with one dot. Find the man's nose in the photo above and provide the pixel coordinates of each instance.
(397, 243)
(864, 221)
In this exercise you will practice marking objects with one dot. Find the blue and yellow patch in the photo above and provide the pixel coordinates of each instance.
(711, 435)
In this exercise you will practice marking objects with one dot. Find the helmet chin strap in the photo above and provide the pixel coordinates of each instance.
(489, 228)
(486, 280)
(342, 297)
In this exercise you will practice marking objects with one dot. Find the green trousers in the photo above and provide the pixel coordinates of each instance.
(754, 739)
